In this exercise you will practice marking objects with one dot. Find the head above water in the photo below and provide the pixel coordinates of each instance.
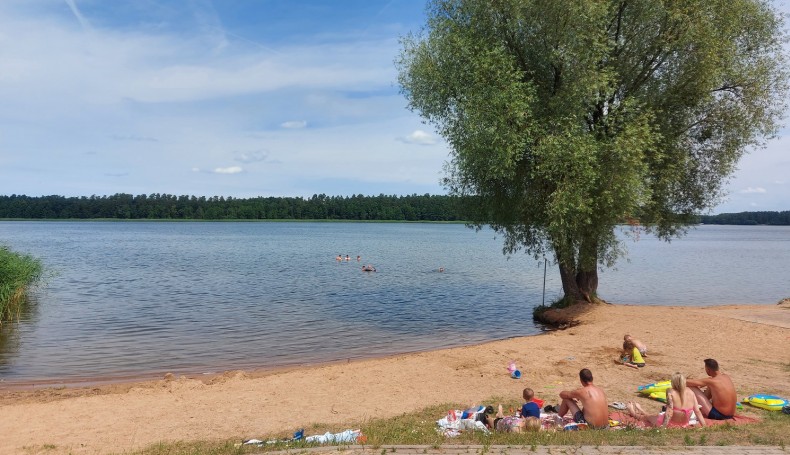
(585, 376)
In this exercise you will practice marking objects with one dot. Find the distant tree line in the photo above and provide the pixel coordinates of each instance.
(166, 206)
(318, 207)
(749, 218)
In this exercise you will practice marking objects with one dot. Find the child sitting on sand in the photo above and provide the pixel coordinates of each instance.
(631, 356)
(639, 345)
(530, 408)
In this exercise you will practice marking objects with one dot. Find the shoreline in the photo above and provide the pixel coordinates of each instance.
(130, 381)
(237, 404)
(752, 315)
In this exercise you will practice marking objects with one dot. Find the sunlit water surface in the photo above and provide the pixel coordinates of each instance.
(129, 299)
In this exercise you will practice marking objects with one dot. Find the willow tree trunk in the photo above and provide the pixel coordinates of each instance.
(579, 285)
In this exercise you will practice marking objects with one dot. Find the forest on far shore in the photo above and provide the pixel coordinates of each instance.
(318, 207)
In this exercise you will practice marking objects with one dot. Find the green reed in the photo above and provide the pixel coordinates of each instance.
(17, 273)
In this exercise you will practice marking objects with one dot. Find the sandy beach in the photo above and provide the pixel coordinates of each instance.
(749, 341)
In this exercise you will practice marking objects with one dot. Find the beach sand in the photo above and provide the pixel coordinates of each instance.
(749, 341)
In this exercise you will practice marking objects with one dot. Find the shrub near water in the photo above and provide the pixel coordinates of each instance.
(17, 273)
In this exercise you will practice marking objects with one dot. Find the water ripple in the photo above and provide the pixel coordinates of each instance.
(137, 298)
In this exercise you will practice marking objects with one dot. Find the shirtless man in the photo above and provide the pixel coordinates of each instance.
(718, 400)
(594, 409)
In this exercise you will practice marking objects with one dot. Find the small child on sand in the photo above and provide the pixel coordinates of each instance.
(631, 356)
(530, 408)
(639, 345)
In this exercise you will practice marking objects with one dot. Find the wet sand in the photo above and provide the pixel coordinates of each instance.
(749, 341)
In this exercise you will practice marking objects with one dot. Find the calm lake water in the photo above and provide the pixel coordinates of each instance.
(130, 299)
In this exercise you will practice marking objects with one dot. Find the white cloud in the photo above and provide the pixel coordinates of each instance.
(80, 18)
(419, 137)
(753, 190)
(133, 137)
(294, 124)
(228, 170)
(251, 157)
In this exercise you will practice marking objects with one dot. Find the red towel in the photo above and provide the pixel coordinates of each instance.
(739, 419)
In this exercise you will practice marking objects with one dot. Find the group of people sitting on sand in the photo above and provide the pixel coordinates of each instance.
(712, 398)
(686, 396)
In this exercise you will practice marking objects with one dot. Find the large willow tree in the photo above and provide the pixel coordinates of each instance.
(568, 117)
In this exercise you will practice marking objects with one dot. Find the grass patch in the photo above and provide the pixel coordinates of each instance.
(419, 428)
(538, 311)
(17, 273)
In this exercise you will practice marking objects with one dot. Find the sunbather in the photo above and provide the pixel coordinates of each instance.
(681, 403)
(511, 424)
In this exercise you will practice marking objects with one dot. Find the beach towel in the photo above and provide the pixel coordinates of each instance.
(627, 420)
(347, 436)
(457, 421)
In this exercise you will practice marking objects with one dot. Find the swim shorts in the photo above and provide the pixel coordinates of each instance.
(579, 418)
(716, 415)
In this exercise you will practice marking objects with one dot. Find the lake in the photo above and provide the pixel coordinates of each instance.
(139, 299)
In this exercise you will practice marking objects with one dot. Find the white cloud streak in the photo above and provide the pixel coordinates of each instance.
(419, 137)
(80, 18)
(294, 124)
(251, 157)
(228, 170)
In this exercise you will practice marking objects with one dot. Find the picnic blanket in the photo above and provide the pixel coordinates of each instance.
(457, 421)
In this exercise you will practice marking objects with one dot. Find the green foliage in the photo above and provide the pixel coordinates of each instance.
(567, 117)
(17, 273)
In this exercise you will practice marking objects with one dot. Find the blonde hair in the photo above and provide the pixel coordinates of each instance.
(532, 424)
(678, 382)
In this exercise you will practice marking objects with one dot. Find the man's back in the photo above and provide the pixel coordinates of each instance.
(723, 394)
(594, 405)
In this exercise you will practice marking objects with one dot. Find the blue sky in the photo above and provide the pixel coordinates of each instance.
(236, 98)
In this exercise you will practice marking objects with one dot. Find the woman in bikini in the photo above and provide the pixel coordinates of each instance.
(681, 403)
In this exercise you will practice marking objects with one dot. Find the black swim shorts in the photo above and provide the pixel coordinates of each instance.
(716, 415)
